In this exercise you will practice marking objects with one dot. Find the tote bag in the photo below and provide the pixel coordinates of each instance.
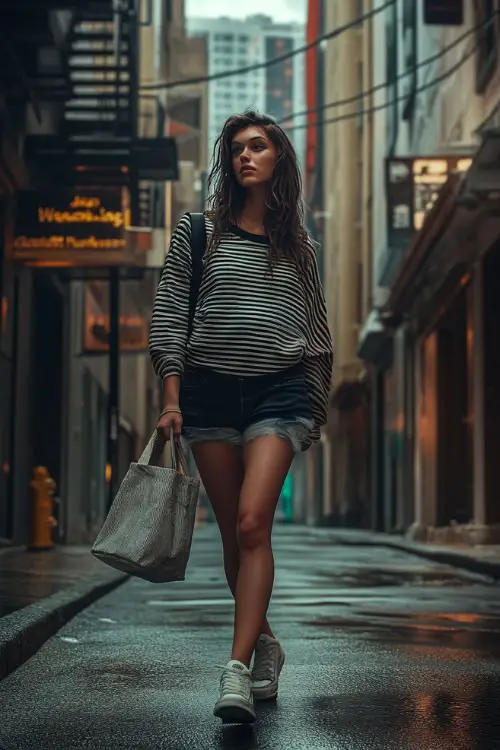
(149, 527)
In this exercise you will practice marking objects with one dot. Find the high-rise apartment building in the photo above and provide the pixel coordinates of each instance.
(277, 90)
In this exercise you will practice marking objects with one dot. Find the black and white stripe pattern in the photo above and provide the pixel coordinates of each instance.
(247, 321)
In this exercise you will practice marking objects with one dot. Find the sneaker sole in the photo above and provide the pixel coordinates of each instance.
(269, 693)
(232, 711)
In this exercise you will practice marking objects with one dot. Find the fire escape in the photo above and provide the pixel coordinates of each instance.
(99, 120)
(98, 92)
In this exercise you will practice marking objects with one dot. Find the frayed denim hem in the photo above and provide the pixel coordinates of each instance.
(191, 435)
(294, 430)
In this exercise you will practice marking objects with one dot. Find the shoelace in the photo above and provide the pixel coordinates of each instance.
(233, 681)
(264, 664)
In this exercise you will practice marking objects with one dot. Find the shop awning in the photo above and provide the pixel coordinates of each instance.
(461, 226)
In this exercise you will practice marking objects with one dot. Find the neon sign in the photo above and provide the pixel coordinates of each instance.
(56, 225)
(84, 210)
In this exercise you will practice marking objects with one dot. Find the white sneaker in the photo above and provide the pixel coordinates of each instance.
(268, 663)
(236, 704)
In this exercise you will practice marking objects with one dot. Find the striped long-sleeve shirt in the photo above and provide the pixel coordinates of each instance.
(247, 320)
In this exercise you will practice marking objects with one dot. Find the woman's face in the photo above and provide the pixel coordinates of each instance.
(254, 156)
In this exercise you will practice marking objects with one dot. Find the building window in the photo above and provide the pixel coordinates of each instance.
(359, 207)
(487, 57)
(223, 48)
(359, 295)
(391, 74)
(410, 56)
(359, 11)
(361, 101)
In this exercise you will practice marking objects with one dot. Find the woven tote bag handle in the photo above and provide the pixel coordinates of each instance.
(153, 450)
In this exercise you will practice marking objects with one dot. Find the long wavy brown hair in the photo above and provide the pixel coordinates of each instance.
(284, 216)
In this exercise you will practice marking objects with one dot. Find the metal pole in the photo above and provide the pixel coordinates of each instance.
(119, 8)
(114, 381)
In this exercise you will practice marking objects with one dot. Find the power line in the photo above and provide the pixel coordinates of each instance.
(379, 86)
(396, 100)
(259, 66)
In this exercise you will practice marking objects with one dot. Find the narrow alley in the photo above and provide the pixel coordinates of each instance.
(385, 651)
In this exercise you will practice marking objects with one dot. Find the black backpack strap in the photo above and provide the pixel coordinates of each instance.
(198, 246)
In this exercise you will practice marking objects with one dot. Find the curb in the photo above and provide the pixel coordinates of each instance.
(449, 557)
(24, 632)
(439, 555)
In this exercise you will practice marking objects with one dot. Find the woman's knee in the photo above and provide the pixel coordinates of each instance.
(253, 531)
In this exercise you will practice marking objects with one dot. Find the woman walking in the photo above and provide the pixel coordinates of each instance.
(248, 387)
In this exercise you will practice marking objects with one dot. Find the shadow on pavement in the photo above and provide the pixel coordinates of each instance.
(236, 737)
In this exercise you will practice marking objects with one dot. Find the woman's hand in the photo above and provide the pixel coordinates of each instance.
(171, 415)
(170, 418)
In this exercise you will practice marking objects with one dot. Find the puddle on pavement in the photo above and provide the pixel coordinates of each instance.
(463, 719)
(478, 634)
(381, 577)
(453, 719)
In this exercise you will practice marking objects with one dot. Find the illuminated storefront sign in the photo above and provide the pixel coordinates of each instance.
(413, 185)
(63, 224)
(133, 327)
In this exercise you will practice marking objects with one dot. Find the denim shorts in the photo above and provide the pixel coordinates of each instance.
(218, 406)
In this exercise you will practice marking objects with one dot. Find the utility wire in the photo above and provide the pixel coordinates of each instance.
(268, 63)
(379, 86)
(386, 105)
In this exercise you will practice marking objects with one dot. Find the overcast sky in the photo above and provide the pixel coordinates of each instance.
(281, 10)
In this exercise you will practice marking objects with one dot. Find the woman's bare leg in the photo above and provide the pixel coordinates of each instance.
(221, 469)
(267, 460)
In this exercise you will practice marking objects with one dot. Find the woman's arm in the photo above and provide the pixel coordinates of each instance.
(169, 324)
(318, 360)
(171, 389)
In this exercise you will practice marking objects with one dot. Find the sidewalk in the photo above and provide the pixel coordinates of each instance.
(40, 592)
(484, 560)
(27, 577)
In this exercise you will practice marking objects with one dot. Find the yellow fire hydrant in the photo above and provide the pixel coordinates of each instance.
(43, 521)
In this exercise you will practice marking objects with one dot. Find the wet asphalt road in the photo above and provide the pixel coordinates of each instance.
(384, 652)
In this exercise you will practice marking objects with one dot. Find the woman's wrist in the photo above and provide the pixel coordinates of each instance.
(170, 410)
(171, 387)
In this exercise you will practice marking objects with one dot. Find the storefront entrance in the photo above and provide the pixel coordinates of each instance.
(46, 378)
(491, 394)
(454, 434)
(444, 480)
(7, 306)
